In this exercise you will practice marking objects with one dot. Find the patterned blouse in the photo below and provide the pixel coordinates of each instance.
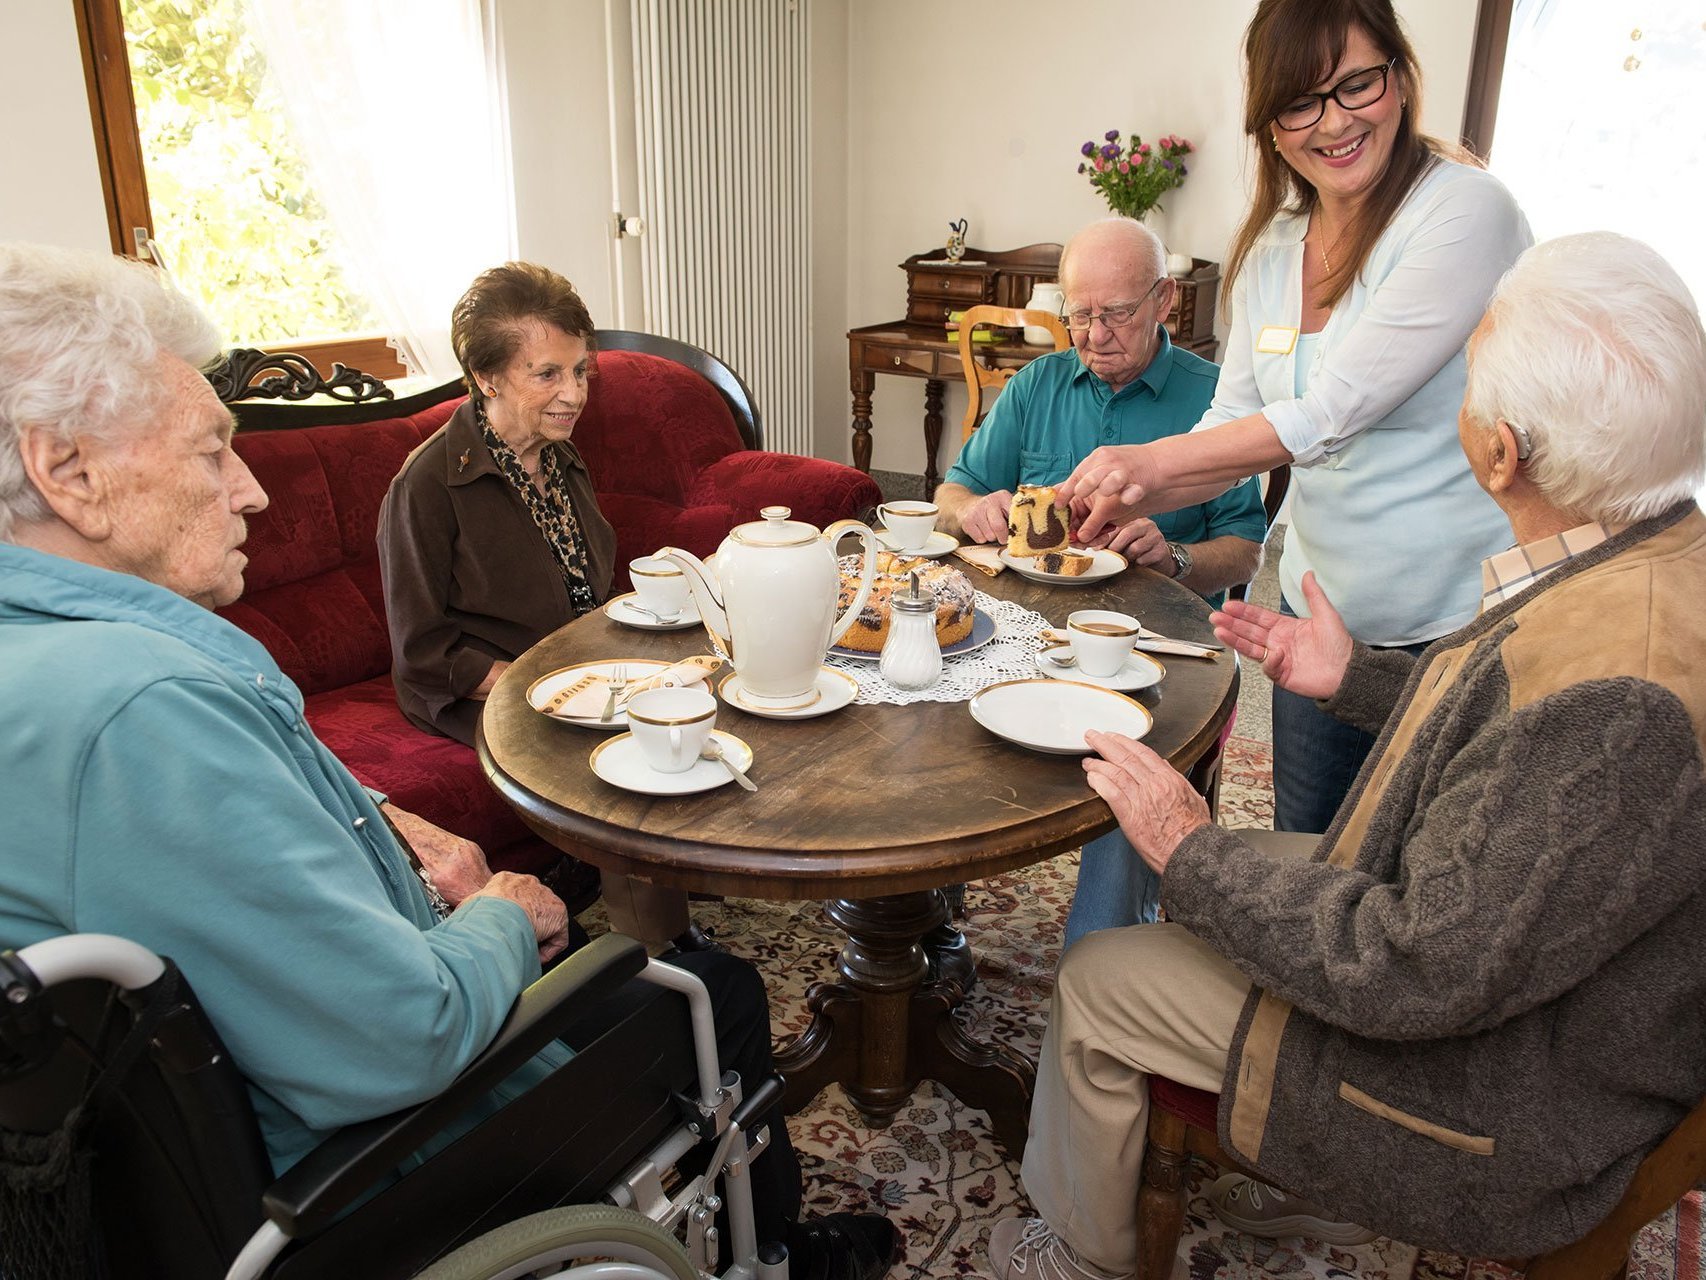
(552, 511)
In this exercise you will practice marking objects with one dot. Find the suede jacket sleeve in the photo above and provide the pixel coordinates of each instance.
(1544, 846)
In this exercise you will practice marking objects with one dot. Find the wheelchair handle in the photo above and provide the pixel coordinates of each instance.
(92, 955)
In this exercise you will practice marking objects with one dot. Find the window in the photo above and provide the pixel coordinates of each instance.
(201, 170)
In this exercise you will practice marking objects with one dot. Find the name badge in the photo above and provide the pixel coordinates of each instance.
(1276, 340)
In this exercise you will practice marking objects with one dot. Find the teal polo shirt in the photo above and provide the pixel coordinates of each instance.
(1055, 411)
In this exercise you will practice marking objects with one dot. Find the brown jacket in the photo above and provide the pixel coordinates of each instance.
(1485, 999)
(469, 579)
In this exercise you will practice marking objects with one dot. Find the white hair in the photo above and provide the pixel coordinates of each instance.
(1594, 347)
(80, 340)
(1137, 237)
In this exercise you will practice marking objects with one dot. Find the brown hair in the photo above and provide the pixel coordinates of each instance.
(1291, 46)
(486, 325)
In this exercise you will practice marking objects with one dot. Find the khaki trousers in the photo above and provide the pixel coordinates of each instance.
(1128, 1003)
(650, 913)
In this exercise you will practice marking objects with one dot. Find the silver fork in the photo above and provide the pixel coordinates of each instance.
(618, 682)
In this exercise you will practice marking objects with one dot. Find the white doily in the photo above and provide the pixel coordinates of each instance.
(1010, 656)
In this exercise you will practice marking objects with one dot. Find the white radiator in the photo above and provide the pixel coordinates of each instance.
(721, 98)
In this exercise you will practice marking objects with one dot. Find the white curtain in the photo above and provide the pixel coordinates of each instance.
(399, 108)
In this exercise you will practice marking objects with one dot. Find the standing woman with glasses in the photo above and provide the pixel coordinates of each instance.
(1366, 259)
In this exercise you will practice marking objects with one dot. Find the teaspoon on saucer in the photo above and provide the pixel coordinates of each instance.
(713, 750)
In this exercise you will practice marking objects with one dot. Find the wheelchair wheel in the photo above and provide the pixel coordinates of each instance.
(553, 1242)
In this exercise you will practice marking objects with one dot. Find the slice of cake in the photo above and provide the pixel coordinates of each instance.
(1071, 563)
(1035, 524)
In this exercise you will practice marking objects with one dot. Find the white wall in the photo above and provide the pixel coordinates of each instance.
(50, 182)
(1041, 87)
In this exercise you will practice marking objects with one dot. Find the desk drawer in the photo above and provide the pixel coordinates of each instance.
(930, 311)
(964, 286)
(921, 364)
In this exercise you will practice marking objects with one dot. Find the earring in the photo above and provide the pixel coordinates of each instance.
(1276, 141)
(491, 393)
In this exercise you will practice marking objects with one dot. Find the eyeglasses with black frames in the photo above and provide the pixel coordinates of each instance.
(1359, 89)
(1115, 317)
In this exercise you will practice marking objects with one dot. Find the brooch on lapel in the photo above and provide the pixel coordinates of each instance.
(462, 462)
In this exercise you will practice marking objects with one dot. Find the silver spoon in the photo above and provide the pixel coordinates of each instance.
(713, 750)
(653, 614)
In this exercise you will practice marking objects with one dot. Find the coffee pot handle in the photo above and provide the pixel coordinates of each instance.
(867, 572)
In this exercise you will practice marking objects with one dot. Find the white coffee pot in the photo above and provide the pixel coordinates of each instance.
(770, 605)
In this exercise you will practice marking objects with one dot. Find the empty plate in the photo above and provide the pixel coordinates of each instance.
(1053, 715)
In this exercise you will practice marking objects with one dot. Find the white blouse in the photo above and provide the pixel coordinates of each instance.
(1384, 508)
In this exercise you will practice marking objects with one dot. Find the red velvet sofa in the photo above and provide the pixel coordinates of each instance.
(670, 441)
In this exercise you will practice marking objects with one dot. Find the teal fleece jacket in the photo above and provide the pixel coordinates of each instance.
(159, 782)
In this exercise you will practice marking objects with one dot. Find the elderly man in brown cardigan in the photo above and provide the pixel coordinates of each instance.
(1464, 1020)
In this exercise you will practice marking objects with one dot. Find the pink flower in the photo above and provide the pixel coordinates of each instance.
(1100, 164)
(1144, 149)
(1125, 166)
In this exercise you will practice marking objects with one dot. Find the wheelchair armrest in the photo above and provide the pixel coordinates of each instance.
(340, 1170)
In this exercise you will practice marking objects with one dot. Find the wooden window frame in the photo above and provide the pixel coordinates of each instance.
(124, 178)
(1486, 74)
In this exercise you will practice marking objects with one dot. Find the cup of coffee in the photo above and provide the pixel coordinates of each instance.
(1101, 639)
(671, 725)
(659, 586)
(908, 524)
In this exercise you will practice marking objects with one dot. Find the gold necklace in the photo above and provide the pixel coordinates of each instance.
(1321, 241)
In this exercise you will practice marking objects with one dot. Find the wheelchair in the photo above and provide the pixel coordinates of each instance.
(128, 1146)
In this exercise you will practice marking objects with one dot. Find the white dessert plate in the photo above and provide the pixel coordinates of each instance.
(835, 689)
(1105, 564)
(937, 544)
(982, 632)
(1139, 672)
(1053, 715)
(547, 686)
(620, 610)
(621, 763)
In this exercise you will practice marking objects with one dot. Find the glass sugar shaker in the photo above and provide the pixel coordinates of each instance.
(911, 657)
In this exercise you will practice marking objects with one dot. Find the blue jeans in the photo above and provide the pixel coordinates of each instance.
(1115, 888)
(1316, 757)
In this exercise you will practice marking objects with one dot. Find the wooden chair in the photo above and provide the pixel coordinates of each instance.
(1182, 1125)
(981, 376)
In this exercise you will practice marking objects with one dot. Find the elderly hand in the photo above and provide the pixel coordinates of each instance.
(986, 519)
(545, 910)
(1142, 543)
(1308, 656)
(485, 686)
(457, 866)
(1155, 805)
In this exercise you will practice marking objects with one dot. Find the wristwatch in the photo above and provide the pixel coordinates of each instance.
(1181, 561)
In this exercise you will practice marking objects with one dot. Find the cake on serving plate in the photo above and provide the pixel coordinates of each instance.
(1036, 525)
(952, 589)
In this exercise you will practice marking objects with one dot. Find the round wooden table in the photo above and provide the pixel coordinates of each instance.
(874, 808)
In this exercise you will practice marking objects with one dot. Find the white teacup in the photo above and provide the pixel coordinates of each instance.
(671, 725)
(1101, 639)
(909, 523)
(661, 587)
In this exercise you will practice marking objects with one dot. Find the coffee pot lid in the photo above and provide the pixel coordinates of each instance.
(774, 530)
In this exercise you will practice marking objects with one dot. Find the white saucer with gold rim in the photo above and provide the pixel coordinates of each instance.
(624, 609)
(833, 690)
(621, 763)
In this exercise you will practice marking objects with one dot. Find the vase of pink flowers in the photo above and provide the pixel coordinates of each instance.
(1133, 176)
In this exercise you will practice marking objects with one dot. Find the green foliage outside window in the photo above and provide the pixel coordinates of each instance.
(234, 215)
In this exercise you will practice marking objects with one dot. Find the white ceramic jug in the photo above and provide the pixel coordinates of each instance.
(1045, 296)
(770, 606)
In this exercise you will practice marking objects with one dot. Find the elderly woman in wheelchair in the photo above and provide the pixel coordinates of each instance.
(162, 785)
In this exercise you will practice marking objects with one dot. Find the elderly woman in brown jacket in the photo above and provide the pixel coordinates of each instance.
(491, 537)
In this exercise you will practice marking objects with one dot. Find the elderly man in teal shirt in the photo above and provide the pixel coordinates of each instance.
(1123, 382)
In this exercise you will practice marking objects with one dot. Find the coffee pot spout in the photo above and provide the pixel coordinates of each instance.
(703, 584)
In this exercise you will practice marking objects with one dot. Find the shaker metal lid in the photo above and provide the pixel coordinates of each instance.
(916, 598)
(774, 530)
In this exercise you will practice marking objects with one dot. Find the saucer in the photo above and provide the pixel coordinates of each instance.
(621, 763)
(1139, 672)
(546, 687)
(1105, 564)
(618, 610)
(835, 689)
(937, 544)
(982, 632)
(1053, 715)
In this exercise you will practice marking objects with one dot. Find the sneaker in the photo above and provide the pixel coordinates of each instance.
(842, 1246)
(1028, 1249)
(1257, 1209)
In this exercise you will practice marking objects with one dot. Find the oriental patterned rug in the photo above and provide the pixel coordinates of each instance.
(937, 1171)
